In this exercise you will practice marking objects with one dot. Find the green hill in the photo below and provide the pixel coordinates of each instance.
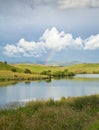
(38, 68)
(85, 68)
(8, 67)
(11, 72)
(78, 68)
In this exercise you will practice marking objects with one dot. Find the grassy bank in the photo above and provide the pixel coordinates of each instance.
(21, 72)
(8, 76)
(67, 114)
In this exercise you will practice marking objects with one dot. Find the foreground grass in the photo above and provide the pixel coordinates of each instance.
(67, 114)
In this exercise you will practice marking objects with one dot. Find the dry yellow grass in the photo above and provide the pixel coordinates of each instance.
(8, 75)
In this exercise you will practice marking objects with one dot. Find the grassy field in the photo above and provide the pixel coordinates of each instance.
(84, 68)
(8, 67)
(79, 68)
(10, 72)
(67, 114)
(17, 71)
(8, 75)
(36, 68)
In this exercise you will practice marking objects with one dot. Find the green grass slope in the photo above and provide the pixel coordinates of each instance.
(8, 67)
(78, 68)
(7, 73)
(36, 68)
(84, 68)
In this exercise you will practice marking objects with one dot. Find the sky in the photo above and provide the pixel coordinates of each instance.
(49, 30)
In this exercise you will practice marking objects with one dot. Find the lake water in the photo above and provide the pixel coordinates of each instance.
(55, 89)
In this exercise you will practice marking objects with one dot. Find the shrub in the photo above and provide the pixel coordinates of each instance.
(71, 74)
(14, 70)
(27, 71)
(46, 72)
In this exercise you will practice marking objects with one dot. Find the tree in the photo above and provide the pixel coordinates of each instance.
(5, 62)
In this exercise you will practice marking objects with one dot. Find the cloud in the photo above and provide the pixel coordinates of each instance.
(24, 6)
(52, 39)
(92, 43)
(66, 4)
(25, 48)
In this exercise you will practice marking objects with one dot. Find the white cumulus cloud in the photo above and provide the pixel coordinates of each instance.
(25, 48)
(92, 42)
(52, 39)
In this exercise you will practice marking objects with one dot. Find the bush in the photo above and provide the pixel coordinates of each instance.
(27, 71)
(14, 70)
(46, 72)
(71, 74)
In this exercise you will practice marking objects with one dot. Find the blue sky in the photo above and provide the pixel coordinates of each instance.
(58, 30)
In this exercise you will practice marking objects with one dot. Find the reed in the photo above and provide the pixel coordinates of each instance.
(80, 113)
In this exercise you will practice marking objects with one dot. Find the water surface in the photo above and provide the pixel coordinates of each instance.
(44, 90)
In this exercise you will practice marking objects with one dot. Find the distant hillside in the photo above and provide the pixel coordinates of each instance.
(85, 68)
(38, 68)
(51, 63)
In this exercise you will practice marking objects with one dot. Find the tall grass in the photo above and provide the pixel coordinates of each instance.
(67, 114)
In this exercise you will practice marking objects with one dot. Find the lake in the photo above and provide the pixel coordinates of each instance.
(21, 92)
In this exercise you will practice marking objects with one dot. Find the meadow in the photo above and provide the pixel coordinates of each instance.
(81, 113)
(85, 68)
(10, 73)
(88, 68)
(19, 72)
